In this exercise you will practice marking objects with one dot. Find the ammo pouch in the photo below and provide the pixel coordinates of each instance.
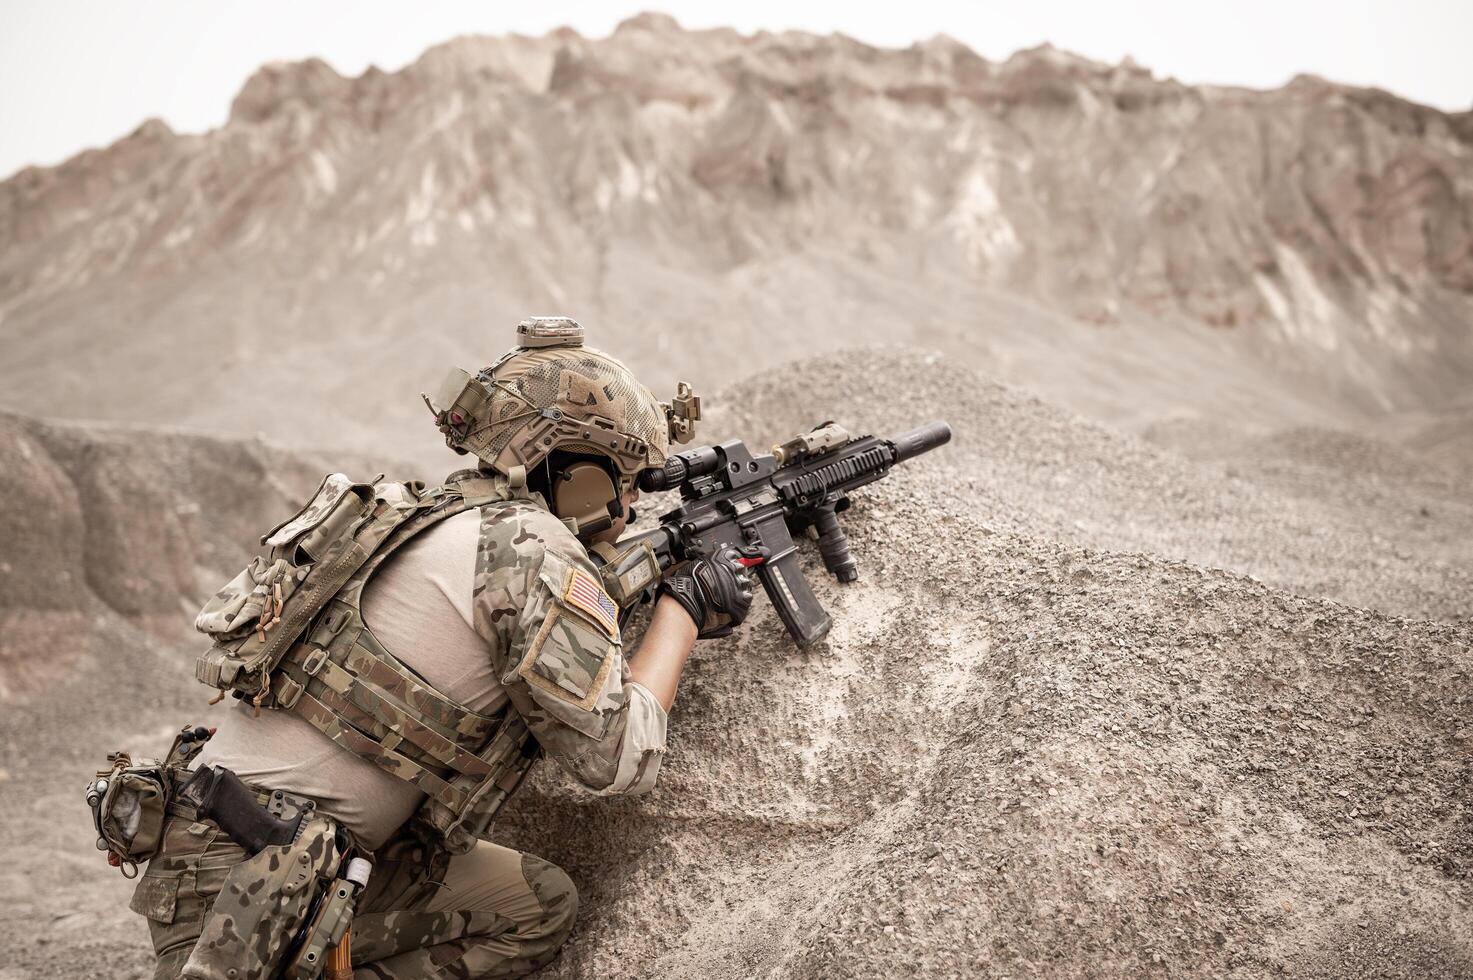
(264, 903)
(129, 803)
(254, 618)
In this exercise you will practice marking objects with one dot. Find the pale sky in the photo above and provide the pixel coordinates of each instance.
(81, 73)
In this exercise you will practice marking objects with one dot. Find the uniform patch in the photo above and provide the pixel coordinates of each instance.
(571, 659)
(585, 592)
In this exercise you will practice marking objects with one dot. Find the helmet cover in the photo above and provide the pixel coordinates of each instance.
(552, 393)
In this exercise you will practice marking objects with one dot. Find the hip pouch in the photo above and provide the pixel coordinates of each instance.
(130, 800)
(129, 803)
(264, 902)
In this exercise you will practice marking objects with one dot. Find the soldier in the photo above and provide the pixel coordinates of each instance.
(492, 636)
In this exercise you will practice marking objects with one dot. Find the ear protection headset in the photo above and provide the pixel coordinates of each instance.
(586, 493)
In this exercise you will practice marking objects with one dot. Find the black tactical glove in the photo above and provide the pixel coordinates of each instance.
(716, 591)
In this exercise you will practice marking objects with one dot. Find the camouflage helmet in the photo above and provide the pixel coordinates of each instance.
(550, 393)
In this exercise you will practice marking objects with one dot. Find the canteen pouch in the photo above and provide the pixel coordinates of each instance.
(263, 904)
(129, 803)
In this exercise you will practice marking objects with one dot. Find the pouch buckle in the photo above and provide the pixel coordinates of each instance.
(288, 692)
(314, 661)
(328, 625)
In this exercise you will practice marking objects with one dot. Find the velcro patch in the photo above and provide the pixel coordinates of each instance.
(585, 592)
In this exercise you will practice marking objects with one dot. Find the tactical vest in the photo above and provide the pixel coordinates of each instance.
(289, 636)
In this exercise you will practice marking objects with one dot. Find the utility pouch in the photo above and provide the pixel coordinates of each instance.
(261, 612)
(263, 904)
(129, 802)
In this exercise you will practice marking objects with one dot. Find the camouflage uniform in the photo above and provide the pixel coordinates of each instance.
(553, 639)
(559, 654)
(538, 605)
(499, 914)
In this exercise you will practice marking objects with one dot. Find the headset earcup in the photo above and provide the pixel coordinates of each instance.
(586, 492)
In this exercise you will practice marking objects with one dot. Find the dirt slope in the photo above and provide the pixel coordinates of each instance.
(1027, 747)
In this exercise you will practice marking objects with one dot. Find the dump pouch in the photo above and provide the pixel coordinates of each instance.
(129, 803)
(236, 610)
(253, 599)
(257, 616)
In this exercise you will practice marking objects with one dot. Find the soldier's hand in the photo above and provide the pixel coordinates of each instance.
(716, 592)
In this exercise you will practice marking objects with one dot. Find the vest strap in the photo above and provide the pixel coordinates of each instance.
(393, 717)
(388, 674)
(326, 717)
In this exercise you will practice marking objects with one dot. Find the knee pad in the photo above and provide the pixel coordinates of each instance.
(555, 892)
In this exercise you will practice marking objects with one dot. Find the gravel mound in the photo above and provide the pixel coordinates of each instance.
(1303, 510)
(1046, 735)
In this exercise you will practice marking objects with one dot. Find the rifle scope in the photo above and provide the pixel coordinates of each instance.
(679, 468)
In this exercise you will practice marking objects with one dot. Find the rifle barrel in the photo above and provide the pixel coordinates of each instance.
(921, 439)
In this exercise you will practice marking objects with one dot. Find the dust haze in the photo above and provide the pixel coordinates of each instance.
(1161, 668)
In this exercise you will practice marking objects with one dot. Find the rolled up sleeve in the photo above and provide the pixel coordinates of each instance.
(644, 743)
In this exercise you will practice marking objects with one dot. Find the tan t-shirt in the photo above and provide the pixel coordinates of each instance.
(419, 605)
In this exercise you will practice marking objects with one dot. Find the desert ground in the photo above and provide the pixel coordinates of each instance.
(1161, 668)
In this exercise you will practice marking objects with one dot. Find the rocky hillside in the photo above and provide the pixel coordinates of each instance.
(116, 527)
(1137, 248)
(1034, 744)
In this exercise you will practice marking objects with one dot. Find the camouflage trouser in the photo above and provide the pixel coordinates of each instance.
(493, 912)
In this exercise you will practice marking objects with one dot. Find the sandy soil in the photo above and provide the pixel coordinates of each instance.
(1095, 708)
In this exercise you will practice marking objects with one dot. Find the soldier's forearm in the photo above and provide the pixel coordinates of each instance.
(662, 654)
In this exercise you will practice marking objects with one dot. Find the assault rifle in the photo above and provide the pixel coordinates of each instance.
(731, 498)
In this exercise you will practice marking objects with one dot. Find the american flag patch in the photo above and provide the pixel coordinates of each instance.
(584, 592)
